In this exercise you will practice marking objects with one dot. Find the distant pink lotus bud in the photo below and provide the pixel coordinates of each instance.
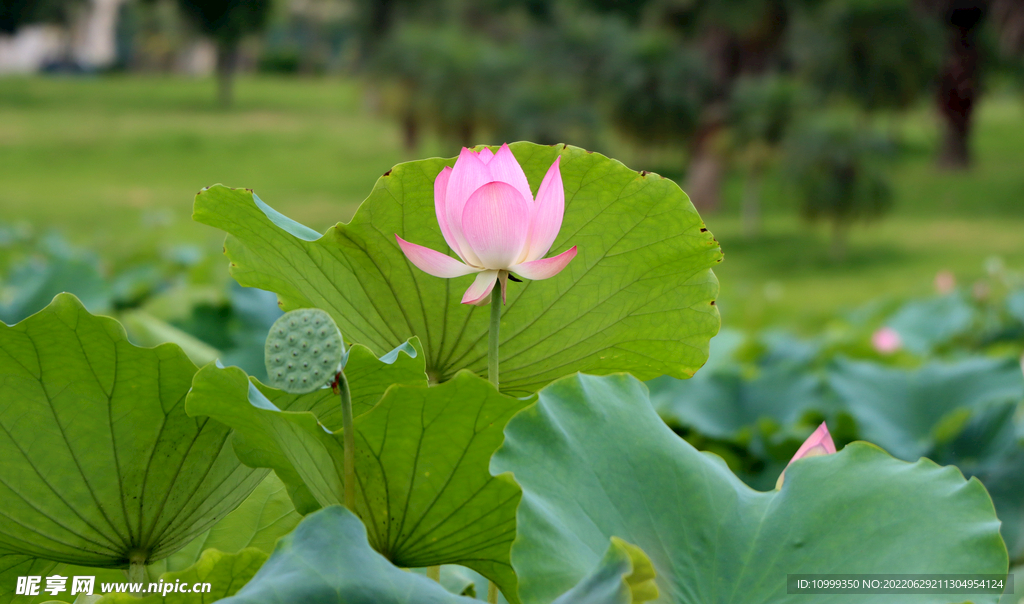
(945, 282)
(818, 443)
(886, 340)
(492, 222)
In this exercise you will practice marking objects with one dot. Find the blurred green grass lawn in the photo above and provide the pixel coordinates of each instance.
(114, 163)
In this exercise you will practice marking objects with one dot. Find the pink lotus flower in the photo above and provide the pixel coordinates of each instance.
(491, 221)
(886, 340)
(818, 443)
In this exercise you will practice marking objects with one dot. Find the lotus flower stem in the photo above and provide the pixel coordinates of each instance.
(492, 377)
(492, 337)
(137, 567)
(350, 441)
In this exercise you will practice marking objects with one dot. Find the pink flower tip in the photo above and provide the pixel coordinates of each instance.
(818, 443)
(886, 340)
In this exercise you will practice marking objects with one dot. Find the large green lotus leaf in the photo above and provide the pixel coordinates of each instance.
(226, 574)
(328, 560)
(32, 283)
(644, 263)
(1018, 596)
(265, 516)
(422, 456)
(217, 390)
(910, 412)
(728, 405)
(13, 566)
(1015, 305)
(926, 324)
(258, 522)
(594, 461)
(990, 449)
(100, 460)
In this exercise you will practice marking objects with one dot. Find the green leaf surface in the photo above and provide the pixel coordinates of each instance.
(225, 573)
(422, 455)
(328, 560)
(101, 461)
(1015, 305)
(727, 405)
(594, 461)
(265, 516)
(909, 412)
(31, 284)
(624, 575)
(924, 325)
(13, 566)
(147, 330)
(644, 262)
(217, 390)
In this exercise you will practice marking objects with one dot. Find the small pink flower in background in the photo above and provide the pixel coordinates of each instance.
(886, 340)
(945, 282)
(818, 443)
(492, 222)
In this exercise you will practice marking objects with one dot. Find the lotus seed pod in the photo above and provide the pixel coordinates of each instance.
(304, 349)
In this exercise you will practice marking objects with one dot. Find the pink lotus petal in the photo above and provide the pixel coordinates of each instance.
(505, 168)
(440, 188)
(494, 223)
(546, 268)
(485, 155)
(480, 290)
(546, 219)
(468, 175)
(818, 443)
(433, 262)
(886, 340)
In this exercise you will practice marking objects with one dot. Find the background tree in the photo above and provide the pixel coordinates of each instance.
(760, 114)
(15, 14)
(657, 87)
(743, 37)
(881, 54)
(959, 81)
(226, 22)
(836, 168)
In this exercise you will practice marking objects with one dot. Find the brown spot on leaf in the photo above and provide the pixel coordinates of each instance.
(388, 173)
(704, 230)
(712, 303)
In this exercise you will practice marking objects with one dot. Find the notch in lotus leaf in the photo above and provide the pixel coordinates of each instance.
(304, 351)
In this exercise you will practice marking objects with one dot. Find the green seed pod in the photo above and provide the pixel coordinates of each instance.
(304, 349)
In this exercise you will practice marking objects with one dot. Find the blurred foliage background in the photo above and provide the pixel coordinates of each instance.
(839, 149)
(860, 161)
